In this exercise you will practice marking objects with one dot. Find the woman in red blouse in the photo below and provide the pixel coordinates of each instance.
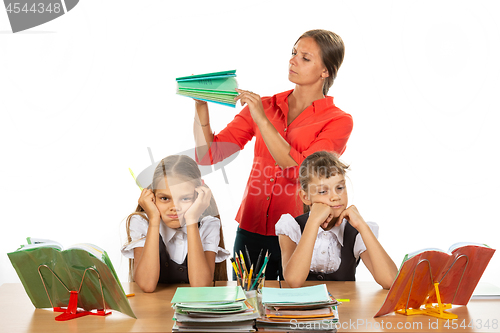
(288, 127)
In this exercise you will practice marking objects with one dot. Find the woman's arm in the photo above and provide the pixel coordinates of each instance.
(203, 135)
(227, 142)
(296, 259)
(275, 143)
(375, 258)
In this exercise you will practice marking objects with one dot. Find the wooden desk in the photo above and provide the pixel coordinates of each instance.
(154, 312)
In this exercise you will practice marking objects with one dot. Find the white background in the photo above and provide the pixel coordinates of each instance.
(83, 96)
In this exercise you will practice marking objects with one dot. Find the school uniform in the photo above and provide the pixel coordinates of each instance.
(173, 246)
(336, 251)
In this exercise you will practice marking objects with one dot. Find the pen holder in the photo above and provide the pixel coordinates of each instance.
(252, 285)
(254, 297)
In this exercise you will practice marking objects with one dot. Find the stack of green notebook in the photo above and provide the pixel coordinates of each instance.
(298, 309)
(218, 87)
(212, 309)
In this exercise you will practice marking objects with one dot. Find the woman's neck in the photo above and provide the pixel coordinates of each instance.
(301, 98)
(305, 95)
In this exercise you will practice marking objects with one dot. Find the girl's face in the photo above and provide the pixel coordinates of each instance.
(306, 66)
(173, 201)
(330, 191)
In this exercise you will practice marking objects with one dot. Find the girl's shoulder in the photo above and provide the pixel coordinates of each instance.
(288, 226)
(209, 219)
(138, 220)
(209, 224)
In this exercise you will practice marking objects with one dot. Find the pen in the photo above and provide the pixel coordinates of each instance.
(243, 262)
(250, 277)
(133, 176)
(259, 260)
(265, 267)
(248, 256)
(278, 273)
(238, 263)
(235, 269)
(261, 271)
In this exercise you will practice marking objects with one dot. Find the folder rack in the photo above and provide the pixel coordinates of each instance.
(438, 310)
(71, 311)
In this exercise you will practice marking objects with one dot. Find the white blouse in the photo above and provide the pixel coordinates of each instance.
(326, 253)
(176, 239)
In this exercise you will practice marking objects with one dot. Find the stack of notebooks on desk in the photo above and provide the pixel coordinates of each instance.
(215, 87)
(212, 309)
(299, 309)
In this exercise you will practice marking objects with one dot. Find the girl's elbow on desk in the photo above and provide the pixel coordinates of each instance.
(201, 284)
(293, 281)
(294, 284)
(386, 285)
(147, 288)
(386, 282)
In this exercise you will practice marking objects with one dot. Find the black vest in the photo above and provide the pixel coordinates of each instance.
(170, 271)
(348, 263)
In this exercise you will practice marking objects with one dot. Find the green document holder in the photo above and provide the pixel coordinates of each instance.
(69, 281)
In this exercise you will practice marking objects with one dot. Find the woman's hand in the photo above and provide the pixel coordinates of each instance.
(254, 103)
(199, 102)
(148, 203)
(200, 204)
(352, 215)
(321, 214)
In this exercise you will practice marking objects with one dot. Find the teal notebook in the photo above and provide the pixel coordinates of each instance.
(214, 74)
(208, 294)
(217, 87)
(304, 295)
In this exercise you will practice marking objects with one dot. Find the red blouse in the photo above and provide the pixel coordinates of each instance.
(272, 191)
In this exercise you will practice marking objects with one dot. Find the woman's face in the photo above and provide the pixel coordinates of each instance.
(174, 200)
(305, 66)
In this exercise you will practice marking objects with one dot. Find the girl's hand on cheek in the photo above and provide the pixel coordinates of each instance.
(321, 214)
(147, 202)
(200, 204)
(353, 216)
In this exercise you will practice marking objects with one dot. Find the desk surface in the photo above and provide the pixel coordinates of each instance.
(154, 313)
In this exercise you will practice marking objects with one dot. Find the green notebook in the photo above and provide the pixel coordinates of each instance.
(214, 74)
(39, 258)
(208, 294)
(218, 87)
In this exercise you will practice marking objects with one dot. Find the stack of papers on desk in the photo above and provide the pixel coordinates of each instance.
(298, 309)
(212, 309)
(215, 87)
